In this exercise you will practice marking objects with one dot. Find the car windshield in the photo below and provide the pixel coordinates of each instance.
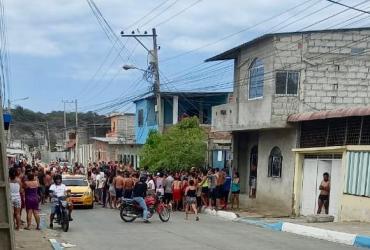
(75, 182)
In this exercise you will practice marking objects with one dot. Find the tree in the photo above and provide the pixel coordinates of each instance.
(183, 146)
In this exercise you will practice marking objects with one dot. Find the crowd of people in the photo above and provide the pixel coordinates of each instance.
(30, 186)
(187, 191)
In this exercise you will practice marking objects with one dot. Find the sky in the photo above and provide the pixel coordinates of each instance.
(58, 51)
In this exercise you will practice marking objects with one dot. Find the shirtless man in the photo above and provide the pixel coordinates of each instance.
(220, 180)
(128, 185)
(48, 180)
(118, 183)
(324, 194)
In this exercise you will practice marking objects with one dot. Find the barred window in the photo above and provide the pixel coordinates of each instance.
(287, 82)
(275, 163)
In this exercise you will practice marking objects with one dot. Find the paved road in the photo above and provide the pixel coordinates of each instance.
(102, 229)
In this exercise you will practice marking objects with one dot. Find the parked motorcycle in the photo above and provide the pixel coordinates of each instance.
(62, 212)
(130, 210)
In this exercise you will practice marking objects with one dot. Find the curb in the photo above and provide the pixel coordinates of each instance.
(362, 241)
(318, 233)
(223, 214)
(313, 232)
(55, 244)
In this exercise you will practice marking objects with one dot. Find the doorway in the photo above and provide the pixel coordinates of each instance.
(313, 170)
(253, 172)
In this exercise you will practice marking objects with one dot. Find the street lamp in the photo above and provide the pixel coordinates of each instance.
(129, 66)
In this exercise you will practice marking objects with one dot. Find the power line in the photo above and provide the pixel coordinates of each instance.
(294, 43)
(178, 13)
(235, 33)
(159, 14)
(347, 6)
(146, 15)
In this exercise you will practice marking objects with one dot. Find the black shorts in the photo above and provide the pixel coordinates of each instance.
(199, 201)
(324, 198)
(119, 193)
(219, 192)
(236, 192)
(167, 197)
(127, 194)
(205, 190)
(212, 194)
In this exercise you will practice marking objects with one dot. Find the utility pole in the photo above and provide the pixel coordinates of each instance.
(65, 122)
(65, 119)
(76, 147)
(48, 133)
(6, 218)
(155, 69)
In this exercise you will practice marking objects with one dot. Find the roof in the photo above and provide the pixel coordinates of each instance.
(186, 94)
(115, 140)
(15, 151)
(232, 53)
(104, 139)
(335, 113)
(120, 114)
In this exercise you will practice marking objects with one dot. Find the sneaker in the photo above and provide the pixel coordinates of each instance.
(197, 218)
(146, 221)
(51, 226)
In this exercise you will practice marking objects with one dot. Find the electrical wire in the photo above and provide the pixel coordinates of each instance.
(179, 13)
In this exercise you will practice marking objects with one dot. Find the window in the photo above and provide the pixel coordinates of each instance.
(256, 75)
(140, 118)
(287, 82)
(275, 163)
(358, 174)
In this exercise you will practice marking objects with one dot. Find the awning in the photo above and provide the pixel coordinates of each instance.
(335, 113)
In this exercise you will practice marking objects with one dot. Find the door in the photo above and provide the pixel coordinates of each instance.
(308, 199)
(313, 170)
(323, 166)
(253, 172)
(335, 187)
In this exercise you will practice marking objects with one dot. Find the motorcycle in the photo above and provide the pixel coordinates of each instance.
(130, 210)
(62, 213)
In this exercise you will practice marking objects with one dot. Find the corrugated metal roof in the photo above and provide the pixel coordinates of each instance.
(232, 53)
(186, 94)
(335, 113)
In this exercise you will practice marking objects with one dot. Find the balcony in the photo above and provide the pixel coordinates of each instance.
(224, 117)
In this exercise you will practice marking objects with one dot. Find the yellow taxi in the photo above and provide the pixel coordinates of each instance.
(80, 191)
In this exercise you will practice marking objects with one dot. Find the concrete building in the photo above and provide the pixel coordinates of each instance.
(118, 144)
(176, 105)
(282, 74)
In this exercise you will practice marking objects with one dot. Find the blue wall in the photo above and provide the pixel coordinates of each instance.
(149, 120)
(189, 105)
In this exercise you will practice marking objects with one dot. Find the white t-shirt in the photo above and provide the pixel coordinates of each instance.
(58, 190)
(100, 178)
(151, 185)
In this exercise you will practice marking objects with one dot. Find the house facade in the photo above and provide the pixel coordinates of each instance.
(118, 144)
(279, 75)
(177, 105)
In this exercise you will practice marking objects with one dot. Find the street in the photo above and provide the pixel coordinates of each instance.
(103, 229)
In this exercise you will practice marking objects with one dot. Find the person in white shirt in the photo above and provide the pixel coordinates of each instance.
(100, 179)
(57, 190)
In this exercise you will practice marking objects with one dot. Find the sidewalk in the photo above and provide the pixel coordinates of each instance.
(34, 239)
(31, 239)
(349, 233)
